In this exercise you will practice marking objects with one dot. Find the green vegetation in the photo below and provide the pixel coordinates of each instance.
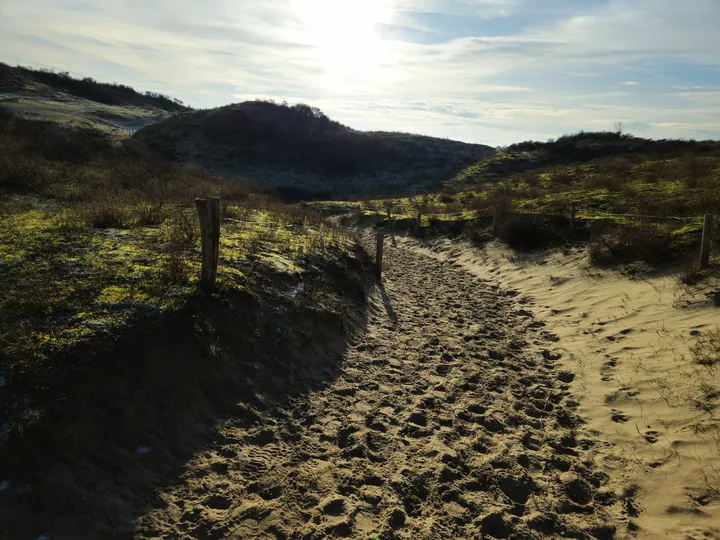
(535, 192)
(302, 154)
(94, 241)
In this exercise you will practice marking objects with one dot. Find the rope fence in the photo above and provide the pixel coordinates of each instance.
(499, 212)
(639, 216)
(209, 214)
(704, 242)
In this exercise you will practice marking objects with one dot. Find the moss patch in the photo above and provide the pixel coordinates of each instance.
(62, 289)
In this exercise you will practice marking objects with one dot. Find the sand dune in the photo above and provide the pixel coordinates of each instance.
(628, 343)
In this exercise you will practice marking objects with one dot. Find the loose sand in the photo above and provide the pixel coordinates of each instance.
(452, 416)
(628, 343)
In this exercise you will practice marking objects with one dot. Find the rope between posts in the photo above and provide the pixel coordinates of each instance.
(579, 215)
(644, 217)
(288, 225)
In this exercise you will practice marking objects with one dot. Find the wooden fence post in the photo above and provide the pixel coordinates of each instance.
(417, 223)
(705, 243)
(380, 237)
(496, 220)
(573, 209)
(359, 213)
(209, 212)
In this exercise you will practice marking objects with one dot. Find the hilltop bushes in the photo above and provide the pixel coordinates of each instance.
(21, 78)
(585, 146)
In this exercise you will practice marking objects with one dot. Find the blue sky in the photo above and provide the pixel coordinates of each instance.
(491, 71)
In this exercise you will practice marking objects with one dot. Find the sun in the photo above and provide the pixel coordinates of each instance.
(343, 35)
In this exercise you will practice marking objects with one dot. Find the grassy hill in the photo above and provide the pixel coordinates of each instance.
(84, 103)
(574, 149)
(302, 153)
(535, 184)
(295, 151)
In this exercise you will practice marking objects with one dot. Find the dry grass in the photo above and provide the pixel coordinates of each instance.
(706, 350)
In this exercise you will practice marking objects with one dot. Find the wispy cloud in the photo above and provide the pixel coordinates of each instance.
(490, 70)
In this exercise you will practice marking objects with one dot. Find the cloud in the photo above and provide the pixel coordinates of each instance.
(545, 68)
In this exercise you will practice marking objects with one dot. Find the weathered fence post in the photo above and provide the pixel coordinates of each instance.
(573, 209)
(359, 213)
(496, 220)
(380, 237)
(417, 223)
(209, 212)
(705, 243)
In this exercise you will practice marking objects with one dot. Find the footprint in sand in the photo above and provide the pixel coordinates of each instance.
(448, 424)
(218, 502)
(618, 416)
(611, 363)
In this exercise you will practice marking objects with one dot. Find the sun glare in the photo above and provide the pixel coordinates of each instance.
(344, 35)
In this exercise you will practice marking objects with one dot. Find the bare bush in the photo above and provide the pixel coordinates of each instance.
(528, 232)
(630, 244)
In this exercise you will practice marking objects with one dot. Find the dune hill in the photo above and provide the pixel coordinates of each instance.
(81, 103)
(577, 148)
(302, 153)
(43, 82)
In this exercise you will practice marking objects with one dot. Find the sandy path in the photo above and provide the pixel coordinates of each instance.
(628, 343)
(450, 419)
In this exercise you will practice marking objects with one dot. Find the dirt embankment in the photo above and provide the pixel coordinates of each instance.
(119, 419)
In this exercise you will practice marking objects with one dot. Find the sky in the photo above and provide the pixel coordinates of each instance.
(485, 71)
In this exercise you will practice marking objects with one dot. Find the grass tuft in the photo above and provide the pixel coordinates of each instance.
(706, 349)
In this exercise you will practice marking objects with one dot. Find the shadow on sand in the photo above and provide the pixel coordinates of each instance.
(122, 419)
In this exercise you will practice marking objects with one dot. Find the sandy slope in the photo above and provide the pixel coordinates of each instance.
(628, 341)
(451, 418)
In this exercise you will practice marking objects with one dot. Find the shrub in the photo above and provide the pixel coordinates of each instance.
(479, 234)
(149, 214)
(706, 350)
(563, 177)
(183, 231)
(528, 232)
(447, 198)
(606, 181)
(630, 244)
(618, 166)
(532, 179)
(692, 275)
(493, 199)
(697, 168)
(105, 215)
(175, 269)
